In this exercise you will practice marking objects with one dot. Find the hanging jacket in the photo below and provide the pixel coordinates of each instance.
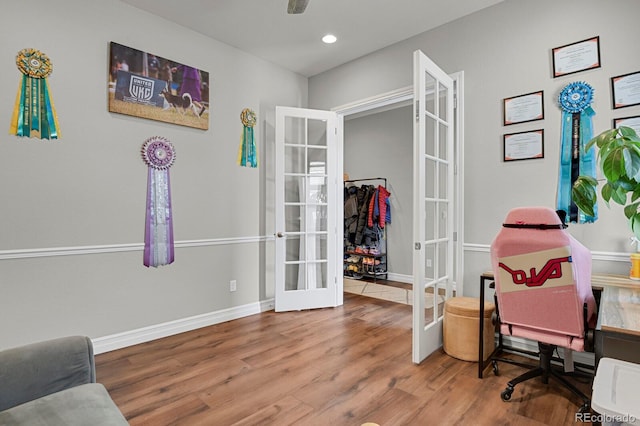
(379, 208)
(351, 212)
(384, 206)
(364, 198)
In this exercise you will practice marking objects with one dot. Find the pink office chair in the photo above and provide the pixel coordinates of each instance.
(543, 289)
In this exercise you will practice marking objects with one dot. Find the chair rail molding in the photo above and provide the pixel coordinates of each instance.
(117, 248)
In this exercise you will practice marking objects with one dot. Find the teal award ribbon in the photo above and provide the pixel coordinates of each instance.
(247, 154)
(34, 114)
(577, 129)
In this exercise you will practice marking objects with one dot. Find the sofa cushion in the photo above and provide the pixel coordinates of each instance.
(88, 404)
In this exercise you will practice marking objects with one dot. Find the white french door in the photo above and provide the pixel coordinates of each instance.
(308, 209)
(433, 206)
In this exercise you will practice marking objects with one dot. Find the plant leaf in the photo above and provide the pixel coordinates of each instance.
(619, 196)
(606, 191)
(583, 194)
(631, 162)
(634, 222)
(613, 165)
(631, 209)
(628, 132)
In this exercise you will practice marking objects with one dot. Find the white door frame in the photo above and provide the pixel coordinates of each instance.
(404, 96)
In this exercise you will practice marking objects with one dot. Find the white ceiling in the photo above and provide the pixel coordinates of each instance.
(264, 29)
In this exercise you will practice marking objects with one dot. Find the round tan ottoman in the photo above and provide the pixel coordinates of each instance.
(460, 328)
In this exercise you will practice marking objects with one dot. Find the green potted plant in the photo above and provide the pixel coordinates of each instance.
(619, 161)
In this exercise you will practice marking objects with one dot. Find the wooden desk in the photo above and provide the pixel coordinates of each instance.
(618, 331)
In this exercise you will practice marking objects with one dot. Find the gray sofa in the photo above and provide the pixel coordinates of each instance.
(54, 383)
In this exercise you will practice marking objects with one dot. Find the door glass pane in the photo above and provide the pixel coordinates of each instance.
(431, 219)
(294, 275)
(293, 189)
(429, 262)
(430, 137)
(442, 258)
(317, 218)
(294, 218)
(317, 275)
(430, 178)
(295, 248)
(430, 86)
(317, 246)
(295, 161)
(439, 291)
(442, 142)
(317, 161)
(317, 190)
(295, 130)
(317, 132)
(443, 187)
(443, 92)
(443, 220)
(428, 305)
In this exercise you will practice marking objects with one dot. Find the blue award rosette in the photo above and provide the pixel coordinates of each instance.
(158, 154)
(577, 129)
(34, 114)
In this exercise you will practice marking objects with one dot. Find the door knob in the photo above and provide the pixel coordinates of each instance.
(279, 235)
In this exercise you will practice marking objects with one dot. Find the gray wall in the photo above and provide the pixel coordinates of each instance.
(381, 145)
(505, 51)
(86, 192)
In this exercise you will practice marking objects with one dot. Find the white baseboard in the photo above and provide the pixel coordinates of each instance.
(158, 331)
(402, 278)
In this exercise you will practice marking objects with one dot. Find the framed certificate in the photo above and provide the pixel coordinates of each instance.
(633, 122)
(523, 108)
(524, 145)
(575, 57)
(625, 90)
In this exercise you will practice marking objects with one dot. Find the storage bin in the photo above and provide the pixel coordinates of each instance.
(615, 393)
(461, 328)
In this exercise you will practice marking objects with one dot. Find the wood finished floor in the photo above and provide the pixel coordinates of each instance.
(338, 366)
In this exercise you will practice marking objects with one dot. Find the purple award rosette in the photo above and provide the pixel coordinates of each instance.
(158, 153)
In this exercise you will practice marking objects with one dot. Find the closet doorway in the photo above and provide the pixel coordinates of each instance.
(378, 142)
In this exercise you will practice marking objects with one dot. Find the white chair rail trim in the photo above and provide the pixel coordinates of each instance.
(116, 248)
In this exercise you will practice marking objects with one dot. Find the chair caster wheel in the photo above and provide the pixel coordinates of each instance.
(584, 409)
(494, 364)
(506, 394)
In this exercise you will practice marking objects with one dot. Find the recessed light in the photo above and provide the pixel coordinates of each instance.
(329, 38)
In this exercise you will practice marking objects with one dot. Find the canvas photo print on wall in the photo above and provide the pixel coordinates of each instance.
(149, 86)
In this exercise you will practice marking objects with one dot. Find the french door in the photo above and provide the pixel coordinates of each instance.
(308, 206)
(433, 204)
(308, 209)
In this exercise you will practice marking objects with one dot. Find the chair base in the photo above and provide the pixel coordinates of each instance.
(544, 370)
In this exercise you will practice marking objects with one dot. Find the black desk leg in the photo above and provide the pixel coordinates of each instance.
(481, 331)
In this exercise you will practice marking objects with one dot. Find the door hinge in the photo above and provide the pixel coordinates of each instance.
(455, 101)
(417, 110)
(455, 236)
(335, 130)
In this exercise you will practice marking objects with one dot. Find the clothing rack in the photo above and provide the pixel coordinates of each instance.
(358, 260)
(365, 179)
